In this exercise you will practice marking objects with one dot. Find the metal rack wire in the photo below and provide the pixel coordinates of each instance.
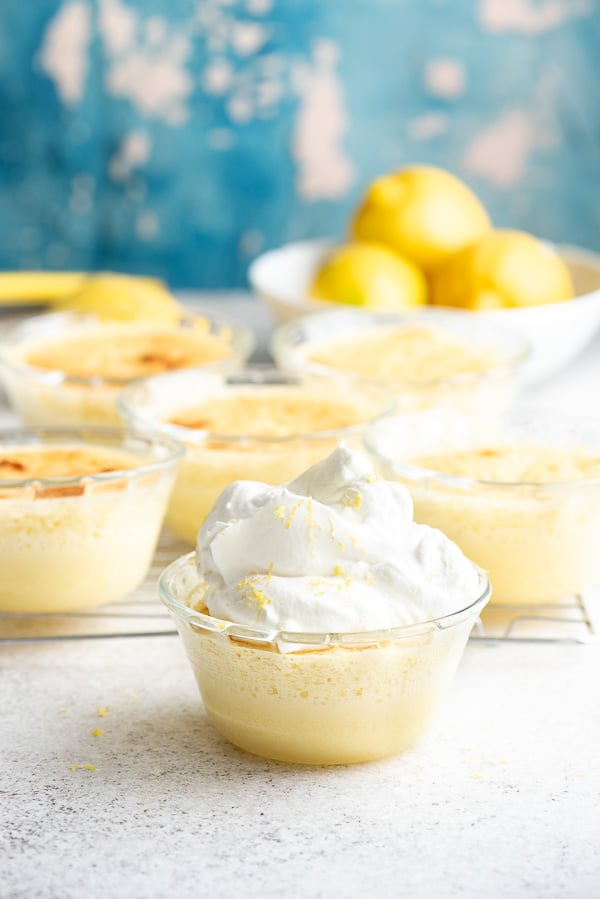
(567, 622)
(142, 615)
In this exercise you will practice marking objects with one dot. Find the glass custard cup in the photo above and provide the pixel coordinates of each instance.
(67, 543)
(318, 699)
(54, 393)
(538, 539)
(214, 460)
(426, 359)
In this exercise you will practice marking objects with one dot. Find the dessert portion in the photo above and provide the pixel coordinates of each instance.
(416, 354)
(524, 505)
(42, 462)
(514, 464)
(326, 625)
(121, 352)
(69, 368)
(268, 412)
(79, 517)
(267, 429)
(425, 359)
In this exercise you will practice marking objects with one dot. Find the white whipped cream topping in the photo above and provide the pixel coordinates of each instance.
(336, 550)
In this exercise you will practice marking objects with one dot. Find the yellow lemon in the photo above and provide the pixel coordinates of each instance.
(424, 213)
(116, 297)
(365, 274)
(504, 268)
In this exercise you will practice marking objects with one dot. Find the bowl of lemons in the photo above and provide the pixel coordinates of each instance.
(421, 240)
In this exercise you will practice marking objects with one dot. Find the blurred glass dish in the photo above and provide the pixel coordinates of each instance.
(320, 699)
(556, 332)
(425, 359)
(80, 514)
(257, 424)
(68, 368)
(520, 493)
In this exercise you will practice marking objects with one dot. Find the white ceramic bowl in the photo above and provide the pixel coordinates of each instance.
(556, 332)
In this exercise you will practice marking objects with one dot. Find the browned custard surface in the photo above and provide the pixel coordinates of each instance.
(515, 464)
(270, 412)
(408, 353)
(27, 462)
(123, 352)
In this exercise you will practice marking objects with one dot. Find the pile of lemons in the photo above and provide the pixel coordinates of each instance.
(420, 235)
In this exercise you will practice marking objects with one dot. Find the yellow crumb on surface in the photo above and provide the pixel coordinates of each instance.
(475, 775)
(132, 695)
(86, 767)
(96, 732)
(102, 711)
(64, 708)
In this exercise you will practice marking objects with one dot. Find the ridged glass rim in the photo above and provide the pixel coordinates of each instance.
(89, 435)
(241, 347)
(282, 346)
(417, 473)
(202, 622)
(199, 436)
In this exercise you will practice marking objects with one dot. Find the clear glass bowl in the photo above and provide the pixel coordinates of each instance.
(319, 699)
(67, 543)
(493, 385)
(43, 396)
(538, 540)
(213, 461)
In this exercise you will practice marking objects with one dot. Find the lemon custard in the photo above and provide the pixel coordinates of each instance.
(322, 624)
(417, 354)
(121, 352)
(269, 412)
(523, 504)
(515, 464)
(79, 518)
(267, 429)
(67, 368)
(32, 462)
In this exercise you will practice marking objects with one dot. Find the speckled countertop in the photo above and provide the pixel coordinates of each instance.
(113, 784)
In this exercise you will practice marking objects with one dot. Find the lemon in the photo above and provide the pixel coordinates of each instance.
(116, 297)
(502, 269)
(365, 274)
(424, 213)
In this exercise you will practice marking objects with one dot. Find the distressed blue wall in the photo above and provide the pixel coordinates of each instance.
(181, 137)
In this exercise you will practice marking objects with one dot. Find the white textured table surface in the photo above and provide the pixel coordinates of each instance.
(500, 800)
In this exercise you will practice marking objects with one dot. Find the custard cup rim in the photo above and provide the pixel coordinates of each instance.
(279, 345)
(199, 436)
(89, 435)
(242, 345)
(310, 641)
(417, 473)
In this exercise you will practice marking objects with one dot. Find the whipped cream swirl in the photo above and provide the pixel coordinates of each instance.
(335, 550)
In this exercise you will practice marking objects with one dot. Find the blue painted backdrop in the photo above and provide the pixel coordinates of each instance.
(182, 137)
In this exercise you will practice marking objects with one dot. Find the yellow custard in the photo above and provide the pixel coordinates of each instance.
(336, 706)
(260, 432)
(70, 545)
(123, 352)
(415, 355)
(531, 518)
(269, 412)
(29, 462)
(515, 464)
(69, 370)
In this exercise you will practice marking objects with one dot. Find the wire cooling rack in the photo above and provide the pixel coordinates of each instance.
(141, 614)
